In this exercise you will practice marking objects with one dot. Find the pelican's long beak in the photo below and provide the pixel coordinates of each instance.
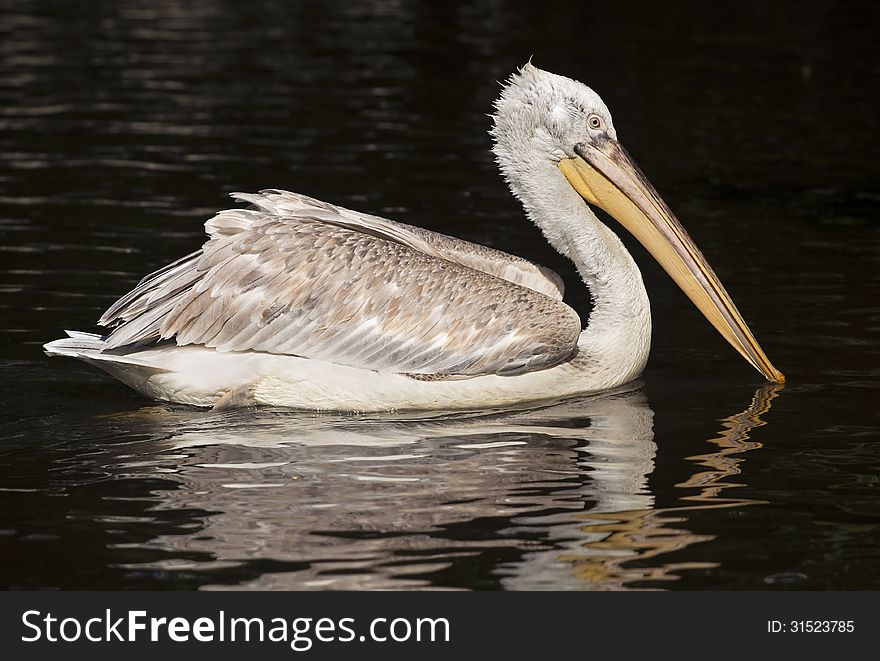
(605, 175)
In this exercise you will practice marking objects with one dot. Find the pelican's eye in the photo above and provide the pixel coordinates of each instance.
(595, 122)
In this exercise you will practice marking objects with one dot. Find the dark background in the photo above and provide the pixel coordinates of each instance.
(123, 125)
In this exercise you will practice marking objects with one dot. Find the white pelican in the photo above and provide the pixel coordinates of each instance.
(303, 304)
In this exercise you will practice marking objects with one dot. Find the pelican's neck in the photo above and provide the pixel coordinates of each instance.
(617, 338)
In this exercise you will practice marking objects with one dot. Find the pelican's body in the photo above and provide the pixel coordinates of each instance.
(303, 304)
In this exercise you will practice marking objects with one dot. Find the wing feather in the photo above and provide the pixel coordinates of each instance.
(301, 277)
(482, 258)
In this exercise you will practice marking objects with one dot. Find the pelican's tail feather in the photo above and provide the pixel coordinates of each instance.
(90, 348)
(75, 345)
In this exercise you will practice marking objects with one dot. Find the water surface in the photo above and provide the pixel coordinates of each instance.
(123, 125)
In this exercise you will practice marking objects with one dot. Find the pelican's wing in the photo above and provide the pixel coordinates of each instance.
(296, 282)
(488, 260)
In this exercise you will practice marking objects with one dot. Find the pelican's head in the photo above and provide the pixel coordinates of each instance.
(561, 123)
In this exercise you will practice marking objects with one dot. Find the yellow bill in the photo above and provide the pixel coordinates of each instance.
(605, 175)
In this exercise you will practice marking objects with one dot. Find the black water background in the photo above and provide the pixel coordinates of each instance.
(124, 124)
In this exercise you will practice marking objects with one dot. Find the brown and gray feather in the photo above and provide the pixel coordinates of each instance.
(301, 277)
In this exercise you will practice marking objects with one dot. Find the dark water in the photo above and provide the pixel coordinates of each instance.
(124, 124)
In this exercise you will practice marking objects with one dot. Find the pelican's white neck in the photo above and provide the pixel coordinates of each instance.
(617, 337)
(538, 119)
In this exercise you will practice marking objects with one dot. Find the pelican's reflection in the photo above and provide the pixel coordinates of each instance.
(554, 497)
(603, 551)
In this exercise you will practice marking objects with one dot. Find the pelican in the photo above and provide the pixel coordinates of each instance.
(299, 303)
